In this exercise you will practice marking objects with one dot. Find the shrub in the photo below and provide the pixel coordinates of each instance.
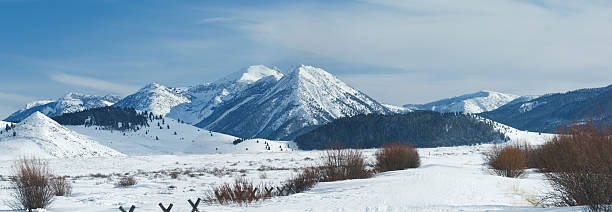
(31, 187)
(343, 164)
(397, 156)
(509, 161)
(304, 181)
(174, 175)
(578, 164)
(242, 191)
(61, 186)
(127, 181)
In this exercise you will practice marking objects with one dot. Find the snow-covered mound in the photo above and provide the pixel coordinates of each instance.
(173, 137)
(206, 98)
(71, 102)
(154, 98)
(283, 109)
(40, 136)
(478, 102)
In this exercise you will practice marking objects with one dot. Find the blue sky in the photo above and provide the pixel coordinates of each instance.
(396, 51)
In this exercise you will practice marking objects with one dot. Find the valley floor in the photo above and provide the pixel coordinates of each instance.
(450, 179)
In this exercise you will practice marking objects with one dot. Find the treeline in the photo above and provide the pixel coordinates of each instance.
(421, 129)
(109, 117)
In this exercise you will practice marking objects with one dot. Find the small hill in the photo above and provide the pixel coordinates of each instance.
(40, 136)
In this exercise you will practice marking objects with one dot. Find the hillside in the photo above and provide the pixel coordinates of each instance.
(551, 111)
(159, 138)
(40, 136)
(421, 129)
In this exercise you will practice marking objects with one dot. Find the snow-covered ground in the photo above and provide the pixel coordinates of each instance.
(450, 179)
(188, 140)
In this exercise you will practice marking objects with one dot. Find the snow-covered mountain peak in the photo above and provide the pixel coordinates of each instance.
(248, 75)
(477, 102)
(154, 98)
(37, 103)
(257, 72)
(306, 97)
(71, 102)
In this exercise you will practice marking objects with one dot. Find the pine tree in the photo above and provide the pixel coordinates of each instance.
(156, 138)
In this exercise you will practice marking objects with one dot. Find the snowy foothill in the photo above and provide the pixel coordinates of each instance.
(173, 137)
(40, 136)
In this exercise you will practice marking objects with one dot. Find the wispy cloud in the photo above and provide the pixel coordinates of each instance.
(94, 83)
(214, 20)
(11, 97)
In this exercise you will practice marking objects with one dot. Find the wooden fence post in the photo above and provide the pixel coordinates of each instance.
(131, 208)
(194, 206)
(166, 209)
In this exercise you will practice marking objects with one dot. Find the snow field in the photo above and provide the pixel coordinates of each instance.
(450, 179)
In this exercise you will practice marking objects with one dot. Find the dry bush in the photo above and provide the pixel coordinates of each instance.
(397, 156)
(343, 164)
(31, 185)
(127, 181)
(61, 186)
(242, 192)
(304, 181)
(578, 163)
(174, 175)
(509, 161)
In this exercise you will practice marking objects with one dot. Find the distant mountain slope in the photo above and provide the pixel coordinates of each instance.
(205, 99)
(71, 102)
(469, 103)
(40, 136)
(548, 112)
(283, 109)
(420, 128)
(154, 98)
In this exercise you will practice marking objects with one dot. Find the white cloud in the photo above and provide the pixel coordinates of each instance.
(89, 82)
(453, 43)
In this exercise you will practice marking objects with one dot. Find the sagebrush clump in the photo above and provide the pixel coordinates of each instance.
(397, 156)
(508, 161)
(31, 183)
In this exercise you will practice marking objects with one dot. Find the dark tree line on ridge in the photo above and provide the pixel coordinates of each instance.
(421, 129)
(109, 117)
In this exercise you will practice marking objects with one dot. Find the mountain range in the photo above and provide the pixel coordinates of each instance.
(549, 112)
(262, 102)
(71, 102)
